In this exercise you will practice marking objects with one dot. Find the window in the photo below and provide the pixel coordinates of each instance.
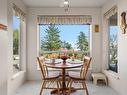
(19, 39)
(72, 39)
(113, 44)
(16, 44)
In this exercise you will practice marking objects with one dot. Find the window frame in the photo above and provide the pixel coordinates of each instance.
(19, 66)
(109, 68)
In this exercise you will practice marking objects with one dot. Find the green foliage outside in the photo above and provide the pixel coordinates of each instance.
(113, 49)
(51, 41)
(16, 42)
(82, 42)
(66, 45)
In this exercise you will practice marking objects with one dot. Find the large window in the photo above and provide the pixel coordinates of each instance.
(72, 39)
(113, 44)
(16, 44)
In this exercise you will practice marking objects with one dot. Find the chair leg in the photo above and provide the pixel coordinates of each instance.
(95, 81)
(58, 87)
(83, 85)
(68, 82)
(106, 81)
(71, 81)
(85, 88)
(42, 87)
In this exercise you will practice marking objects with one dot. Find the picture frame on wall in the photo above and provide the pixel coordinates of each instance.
(3, 27)
(123, 24)
(96, 28)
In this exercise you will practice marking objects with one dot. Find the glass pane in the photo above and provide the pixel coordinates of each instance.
(70, 39)
(16, 44)
(113, 44)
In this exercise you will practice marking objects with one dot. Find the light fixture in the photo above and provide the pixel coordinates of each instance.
(66, 2)
(66, 5)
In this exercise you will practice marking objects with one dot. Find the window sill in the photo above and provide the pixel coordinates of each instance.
(17, 74)
(111, 73)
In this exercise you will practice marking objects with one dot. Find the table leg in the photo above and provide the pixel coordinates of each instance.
(63, 89)
(63, 81)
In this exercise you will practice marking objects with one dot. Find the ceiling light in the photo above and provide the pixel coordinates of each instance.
(66, 5)
(66, 2)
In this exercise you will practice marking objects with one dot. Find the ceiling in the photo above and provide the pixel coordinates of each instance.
(59, 3)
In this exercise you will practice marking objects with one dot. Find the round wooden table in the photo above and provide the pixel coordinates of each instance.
(63, 67)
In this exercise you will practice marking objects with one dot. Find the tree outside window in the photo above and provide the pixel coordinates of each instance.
(51, 40)
(113, 43)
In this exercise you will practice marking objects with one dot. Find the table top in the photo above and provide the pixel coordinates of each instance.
(60, 65)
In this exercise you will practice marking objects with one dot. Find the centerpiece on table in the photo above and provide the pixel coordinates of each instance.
(64, 58)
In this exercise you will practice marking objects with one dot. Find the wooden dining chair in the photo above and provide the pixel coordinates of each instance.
(48, 77)
(80, 77)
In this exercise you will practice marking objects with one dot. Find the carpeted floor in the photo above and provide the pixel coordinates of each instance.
(33, 88)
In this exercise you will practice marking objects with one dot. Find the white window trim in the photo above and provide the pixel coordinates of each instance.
(111, 73)
(105, 65)
(22, 47)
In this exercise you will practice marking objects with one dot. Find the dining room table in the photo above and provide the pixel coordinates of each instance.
(63, 66)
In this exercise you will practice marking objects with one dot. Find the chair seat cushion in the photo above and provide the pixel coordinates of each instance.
(75, 75)
(52, 75)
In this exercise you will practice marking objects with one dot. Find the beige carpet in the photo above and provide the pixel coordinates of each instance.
(33, 88)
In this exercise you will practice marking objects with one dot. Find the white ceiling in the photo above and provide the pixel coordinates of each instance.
(59, 3)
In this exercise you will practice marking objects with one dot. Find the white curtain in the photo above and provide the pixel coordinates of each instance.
(65, 19)
(19, 12)
(111, 12)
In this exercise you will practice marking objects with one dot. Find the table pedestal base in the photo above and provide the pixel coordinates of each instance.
(63, 91)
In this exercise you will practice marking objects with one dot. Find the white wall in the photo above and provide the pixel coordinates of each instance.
(3, 48)
(122, 6)
(17, 79)
(3, 62)
(32, 73)
(118, 81)
(105, 8)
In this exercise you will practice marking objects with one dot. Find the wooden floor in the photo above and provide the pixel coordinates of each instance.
(32, 88)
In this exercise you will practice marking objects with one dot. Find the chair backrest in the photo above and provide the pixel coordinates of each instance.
(42, 66)
(85, 67)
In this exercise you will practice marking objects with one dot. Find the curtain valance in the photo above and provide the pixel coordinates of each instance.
(19, 12)
(111, 12)
(68, 19)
